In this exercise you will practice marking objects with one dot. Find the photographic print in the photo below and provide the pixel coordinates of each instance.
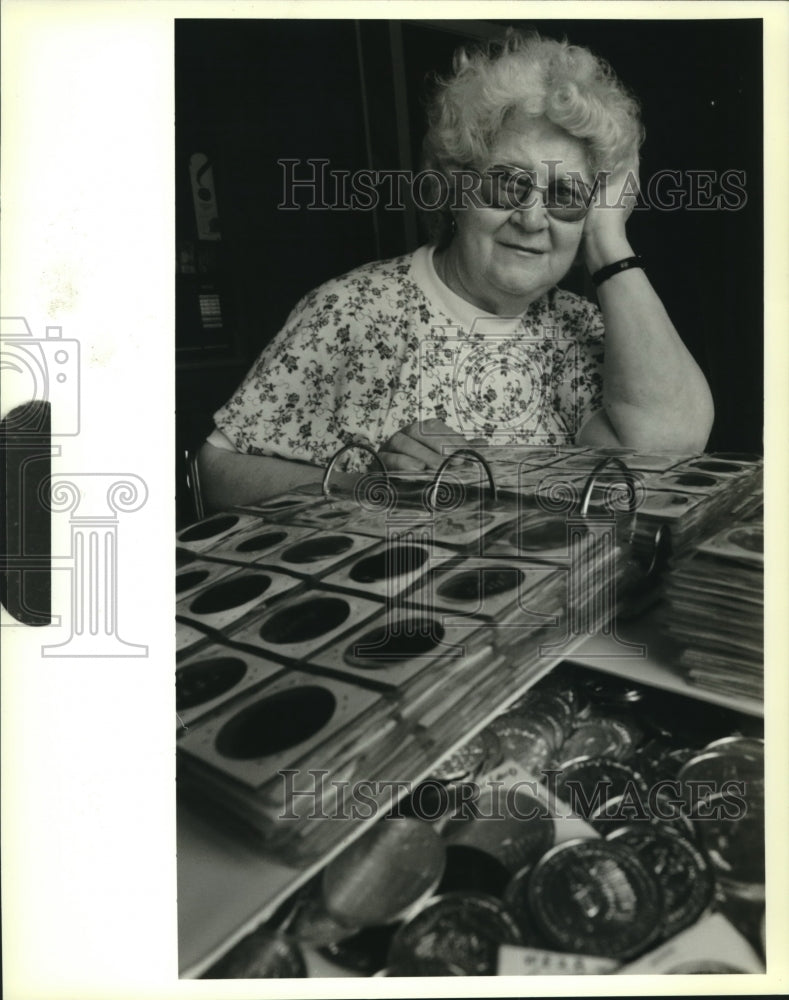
(391, 395)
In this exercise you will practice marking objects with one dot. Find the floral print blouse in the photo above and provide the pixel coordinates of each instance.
(388, 344)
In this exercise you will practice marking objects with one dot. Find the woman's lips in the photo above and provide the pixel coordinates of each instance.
(516, 246)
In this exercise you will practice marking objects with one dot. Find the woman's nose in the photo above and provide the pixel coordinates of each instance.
(532, 217)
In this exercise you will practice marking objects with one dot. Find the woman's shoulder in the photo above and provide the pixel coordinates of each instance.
(369, 280)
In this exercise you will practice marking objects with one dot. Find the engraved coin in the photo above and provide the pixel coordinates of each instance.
(586, 783)
(598, 738)
(682, 870)
(480, 752)
(731, 830)
(593, 897)
(460, 929)
(529, 745)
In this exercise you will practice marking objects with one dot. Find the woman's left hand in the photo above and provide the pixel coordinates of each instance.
(604, 237)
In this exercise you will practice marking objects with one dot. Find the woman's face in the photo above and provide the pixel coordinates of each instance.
(502, 259)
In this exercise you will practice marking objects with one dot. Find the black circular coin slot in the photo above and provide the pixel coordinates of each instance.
(395, 560)
(395, 642)
(717, 466)
(185, 581)
(542, 535)
(209, 528)
(230, 594)
(200, 682)
(694, 479)
(262, 541)
(308, 620)
(276, 723)
(313, 549)
(476, 584)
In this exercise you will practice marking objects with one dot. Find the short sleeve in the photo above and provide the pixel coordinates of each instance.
(578, 377)
(325, 379)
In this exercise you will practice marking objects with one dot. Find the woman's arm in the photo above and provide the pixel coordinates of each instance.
(654, 394)
(229, 477)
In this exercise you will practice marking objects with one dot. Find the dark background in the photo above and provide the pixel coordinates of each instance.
(250, 92)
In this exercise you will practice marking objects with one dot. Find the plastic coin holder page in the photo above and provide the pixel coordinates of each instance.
(690, 481)
(318, 553)
(744, 542)
(285, 504)
(257, 542)
(220, 604)
(391, 567)
(198, 575)
(643, 462)
(275, 728)
(188, 639)
(714, 466)
(743, 458)
(465, 527)
(298, 627)
(535, 458)
(516, 477)
(312, 781)
(543, 538)
(667, 506)
(205, 534)
(336, 513)
(399, 644)
(214, 676)
(576, 463)
(519, 593)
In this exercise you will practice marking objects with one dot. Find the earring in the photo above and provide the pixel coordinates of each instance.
(452, 225)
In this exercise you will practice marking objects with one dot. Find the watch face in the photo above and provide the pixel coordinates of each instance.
(593, 897)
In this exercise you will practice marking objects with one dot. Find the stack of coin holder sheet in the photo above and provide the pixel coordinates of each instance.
(714, 610)
(362, 636)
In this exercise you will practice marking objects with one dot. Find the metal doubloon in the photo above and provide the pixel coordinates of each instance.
(384, 874)
(682, 870)
(593, 897)
(462, 930)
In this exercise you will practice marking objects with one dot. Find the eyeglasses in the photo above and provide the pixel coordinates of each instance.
(508, 187)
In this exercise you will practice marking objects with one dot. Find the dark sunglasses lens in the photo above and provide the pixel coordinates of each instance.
(568, 201)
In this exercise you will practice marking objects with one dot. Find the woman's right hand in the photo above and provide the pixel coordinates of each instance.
(423, 446)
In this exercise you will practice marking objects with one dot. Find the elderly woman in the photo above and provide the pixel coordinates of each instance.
(535, 142)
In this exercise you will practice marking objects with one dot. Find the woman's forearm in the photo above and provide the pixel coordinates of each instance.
(654, 394)
(228, 477)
